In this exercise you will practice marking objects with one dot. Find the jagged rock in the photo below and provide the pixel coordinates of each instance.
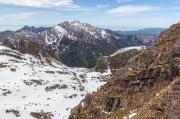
(110, 104)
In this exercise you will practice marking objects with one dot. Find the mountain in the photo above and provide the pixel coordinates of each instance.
(147, 39)
(143, 31)
(33, 29)
(75, 44)
(33, 88)
(147, 87)
(2, 32)
(80, 44)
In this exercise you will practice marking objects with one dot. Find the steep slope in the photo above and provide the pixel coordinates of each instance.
(25, 42)
(33, 29)
(118, 59)
(143, 31)
(147, 39)
(33, 89)
(147, 87)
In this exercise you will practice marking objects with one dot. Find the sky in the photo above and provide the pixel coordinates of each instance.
(112, 14)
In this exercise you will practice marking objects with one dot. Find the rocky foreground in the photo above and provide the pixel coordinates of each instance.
(147, 87)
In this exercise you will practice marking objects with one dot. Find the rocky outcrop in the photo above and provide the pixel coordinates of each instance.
(147, 87)
(166, 104)
(117, 60)
(42, 115)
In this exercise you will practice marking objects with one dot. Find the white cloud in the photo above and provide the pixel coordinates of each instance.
(42, 3)
(103, 6)
(123, 0)
(129, 9)
(1, 18)
(21, 15)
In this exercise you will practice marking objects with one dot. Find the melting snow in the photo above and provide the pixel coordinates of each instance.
(104, 34)
(60, 29)
(31, 85)
(128, 48)
(157, 94)
(133, 113)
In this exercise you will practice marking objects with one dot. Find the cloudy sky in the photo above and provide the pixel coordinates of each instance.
(113, 14)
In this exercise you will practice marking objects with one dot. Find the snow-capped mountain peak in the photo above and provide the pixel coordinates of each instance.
(81, 25)
(76, 43)
(60, 30)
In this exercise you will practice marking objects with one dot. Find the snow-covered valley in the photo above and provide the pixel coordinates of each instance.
(31, 88)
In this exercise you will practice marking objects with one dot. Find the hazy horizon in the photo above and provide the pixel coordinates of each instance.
(112, 14)
(17, 27)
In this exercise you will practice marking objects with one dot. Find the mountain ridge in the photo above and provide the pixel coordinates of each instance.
(86, 39)
(33, 29)
(143, 31)
(2, 32)
(76, 44)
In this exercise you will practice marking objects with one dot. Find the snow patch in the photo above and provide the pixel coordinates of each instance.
(59, 29)
(104, 34)
(128, 48)
(31, 85)
(132, 114)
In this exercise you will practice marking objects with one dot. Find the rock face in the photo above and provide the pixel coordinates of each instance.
(148, 87)
(75, 44)
(117, 60)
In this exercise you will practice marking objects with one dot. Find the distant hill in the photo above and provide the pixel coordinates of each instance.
(144, 31)
(33, 29)
(1, 32)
